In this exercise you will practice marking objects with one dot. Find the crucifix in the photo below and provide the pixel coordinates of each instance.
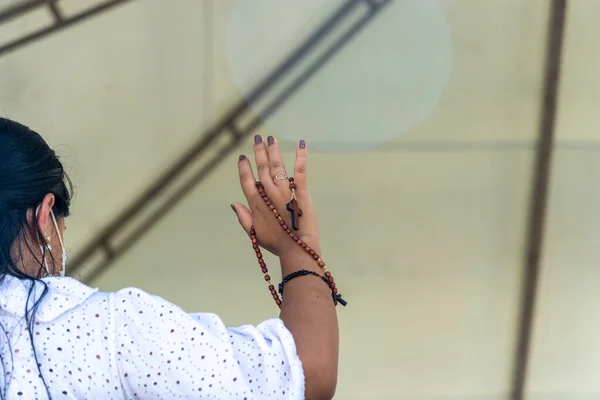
(296, 213)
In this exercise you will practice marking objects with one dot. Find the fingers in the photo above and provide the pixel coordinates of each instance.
(247, 180)
(244, 216)
(262, 161)
(276, 164)
(300, 168)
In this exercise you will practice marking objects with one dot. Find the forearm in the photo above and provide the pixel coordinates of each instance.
(309, 313)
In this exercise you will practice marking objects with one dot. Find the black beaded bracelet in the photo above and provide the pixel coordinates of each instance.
(303, 272)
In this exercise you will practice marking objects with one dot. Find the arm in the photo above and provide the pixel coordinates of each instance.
(307, 309)
(309, 314)
(163, 352)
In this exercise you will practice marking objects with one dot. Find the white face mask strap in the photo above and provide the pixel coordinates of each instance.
(57, 231)
(62, 245)
(37, 211)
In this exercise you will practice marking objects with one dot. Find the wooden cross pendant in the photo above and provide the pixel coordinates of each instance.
(296, 213)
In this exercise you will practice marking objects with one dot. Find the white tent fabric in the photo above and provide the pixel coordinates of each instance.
(424, 233)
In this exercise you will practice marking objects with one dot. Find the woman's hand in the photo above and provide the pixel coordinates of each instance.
(269, 163)
(307, 311)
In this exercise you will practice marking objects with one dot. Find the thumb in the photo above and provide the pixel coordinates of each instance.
(244, 216)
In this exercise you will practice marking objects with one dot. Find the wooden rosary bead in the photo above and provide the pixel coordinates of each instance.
(263, 265)
(296, 213)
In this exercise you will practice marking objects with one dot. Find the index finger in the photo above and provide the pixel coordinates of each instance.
(247, 180)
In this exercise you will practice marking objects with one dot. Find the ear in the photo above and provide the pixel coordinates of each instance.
(43, 213)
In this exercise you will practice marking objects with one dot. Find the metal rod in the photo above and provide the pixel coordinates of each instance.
(321, 61)
(64, 23)
(539, 195)
(228, 120)
(56, 12)
(157, 215)
(21, 8)
(303, 49)
(224, 126)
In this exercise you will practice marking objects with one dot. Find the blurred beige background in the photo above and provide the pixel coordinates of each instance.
(425, 234)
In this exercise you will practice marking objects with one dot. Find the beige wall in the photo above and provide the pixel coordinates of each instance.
(424, 235)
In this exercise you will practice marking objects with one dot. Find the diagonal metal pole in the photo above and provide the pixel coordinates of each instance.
(60, 22)
(228, 125)
(539, 195)
(20, 9)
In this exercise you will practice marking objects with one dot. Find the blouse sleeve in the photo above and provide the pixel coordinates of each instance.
(163, 352)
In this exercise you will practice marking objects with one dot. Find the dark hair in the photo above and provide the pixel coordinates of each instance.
(29, 170)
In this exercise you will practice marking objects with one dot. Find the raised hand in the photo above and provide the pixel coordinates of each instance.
(307, 310)
(273, 177)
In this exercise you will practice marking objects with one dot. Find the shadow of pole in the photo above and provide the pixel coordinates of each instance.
(60, 21)
(231, 125)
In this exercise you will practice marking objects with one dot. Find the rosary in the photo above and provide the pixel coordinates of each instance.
(296, 212)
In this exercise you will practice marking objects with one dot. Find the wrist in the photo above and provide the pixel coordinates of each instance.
(291, 246)
(294, 258)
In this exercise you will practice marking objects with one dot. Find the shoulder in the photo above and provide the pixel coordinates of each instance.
(137, 300)
(138, 310)
(64, 295)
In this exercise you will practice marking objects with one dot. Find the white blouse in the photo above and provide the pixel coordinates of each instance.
(132, 345)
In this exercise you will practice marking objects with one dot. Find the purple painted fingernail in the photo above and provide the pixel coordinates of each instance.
(270, 140)
(242, 157)
(302, 144)
(233, 208)
(257, 139)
